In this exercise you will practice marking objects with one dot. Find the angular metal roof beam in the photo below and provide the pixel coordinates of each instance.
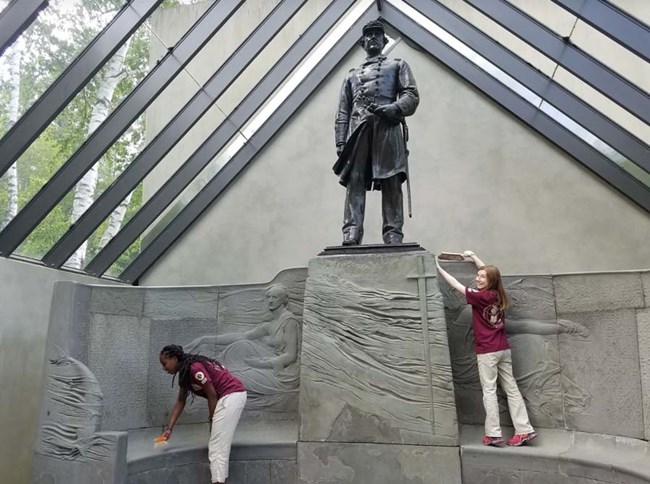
(116, 124)
(31, 124)
(238, 163)
(172, 133)
(591, 71)
(527, 112)
(616, 24)
(549, 90)
(218, 139)
(16, 17)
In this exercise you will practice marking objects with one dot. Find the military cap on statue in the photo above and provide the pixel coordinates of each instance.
(374, 25)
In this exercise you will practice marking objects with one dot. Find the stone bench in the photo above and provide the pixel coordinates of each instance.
(556, 456)
(261, 452)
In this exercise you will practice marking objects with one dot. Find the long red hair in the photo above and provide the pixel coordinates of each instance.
(494, 283)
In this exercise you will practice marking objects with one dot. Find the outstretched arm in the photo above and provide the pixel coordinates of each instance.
(478, 262)
(176, 412)
(453, 282)
(225, 339)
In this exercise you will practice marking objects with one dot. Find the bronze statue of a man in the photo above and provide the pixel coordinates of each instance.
(371, 136)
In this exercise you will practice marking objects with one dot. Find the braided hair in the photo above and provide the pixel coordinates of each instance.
(185, 361)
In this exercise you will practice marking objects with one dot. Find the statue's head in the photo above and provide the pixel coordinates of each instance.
(277, 295)
(374, 38)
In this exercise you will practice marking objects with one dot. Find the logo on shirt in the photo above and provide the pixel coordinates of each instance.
(493, 315)
(200, 377)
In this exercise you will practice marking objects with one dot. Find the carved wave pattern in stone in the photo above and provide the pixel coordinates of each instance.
(366, 349)
(74, 412)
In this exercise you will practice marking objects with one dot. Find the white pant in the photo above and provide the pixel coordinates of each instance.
(224, 422)
(499, 365)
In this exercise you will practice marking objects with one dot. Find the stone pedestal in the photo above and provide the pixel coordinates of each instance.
(376, 392)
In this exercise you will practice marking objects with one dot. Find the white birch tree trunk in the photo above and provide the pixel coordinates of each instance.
(14, 102)
(84, 194)
(115, 221)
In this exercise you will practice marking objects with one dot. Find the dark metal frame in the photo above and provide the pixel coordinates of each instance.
(116, 124)
(616, 24)
(154, 207)
(549, 90)
(575, 60)
(530, 114)
(15, 18)
(173, 132)
(31, 124)
(241, 160)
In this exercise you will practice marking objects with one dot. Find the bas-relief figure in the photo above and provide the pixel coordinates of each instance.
(549, 392)
(371, 136)
(266, 358)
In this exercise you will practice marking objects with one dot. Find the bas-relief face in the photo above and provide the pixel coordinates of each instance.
(373, 42)
(275, 298)
(481, 279)
(170, 365)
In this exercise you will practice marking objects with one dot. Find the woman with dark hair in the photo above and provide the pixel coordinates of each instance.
(489, 302)
(203, 376)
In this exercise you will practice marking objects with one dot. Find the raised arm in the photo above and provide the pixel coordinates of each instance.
(478, 262)
(453, 282)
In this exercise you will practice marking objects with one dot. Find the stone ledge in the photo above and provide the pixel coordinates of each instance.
(604, 458)
(189, 444)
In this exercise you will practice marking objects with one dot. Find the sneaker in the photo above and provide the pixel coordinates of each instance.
(487, 440)
(521, 439)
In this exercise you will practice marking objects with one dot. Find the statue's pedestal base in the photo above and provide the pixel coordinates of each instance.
(376, 393)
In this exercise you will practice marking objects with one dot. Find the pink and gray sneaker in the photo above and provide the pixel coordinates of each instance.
(521, 439)
(487, 440)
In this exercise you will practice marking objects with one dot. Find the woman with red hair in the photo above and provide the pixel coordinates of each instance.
(489, 302)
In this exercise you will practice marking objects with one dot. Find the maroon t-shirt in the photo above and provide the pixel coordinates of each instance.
(223, 381)
(488, 321)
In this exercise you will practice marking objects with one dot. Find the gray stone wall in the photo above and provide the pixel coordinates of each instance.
(25, 297)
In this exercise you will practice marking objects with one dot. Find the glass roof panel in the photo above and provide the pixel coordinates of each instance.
(501, 35)
(83, 115)
(46, 48)
(522, 91)
(636, 8)
(613, 55)
(603, 104)
(549, 14)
